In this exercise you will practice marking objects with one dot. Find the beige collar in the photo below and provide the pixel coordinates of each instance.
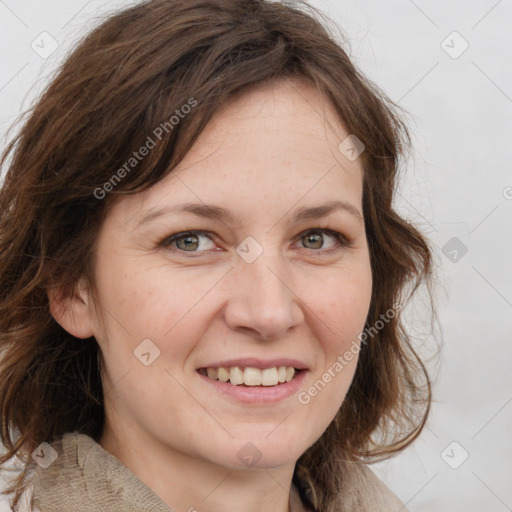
(86, 477)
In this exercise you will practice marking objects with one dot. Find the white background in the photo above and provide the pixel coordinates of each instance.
(458, 185)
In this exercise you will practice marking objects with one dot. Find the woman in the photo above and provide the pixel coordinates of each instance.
(202, 272)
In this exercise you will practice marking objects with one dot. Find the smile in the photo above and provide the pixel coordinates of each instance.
(250, 376)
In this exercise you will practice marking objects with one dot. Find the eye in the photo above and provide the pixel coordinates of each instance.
(190, 241)
(316, 238)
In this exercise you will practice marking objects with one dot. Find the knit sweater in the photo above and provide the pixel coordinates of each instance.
(86, 478)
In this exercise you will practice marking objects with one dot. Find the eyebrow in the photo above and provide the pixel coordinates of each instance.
(210, 211)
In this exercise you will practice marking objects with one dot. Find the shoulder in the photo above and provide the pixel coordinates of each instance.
(57, 461)
(80, 474)
(364, 491)
(15, 468)
(25, 504)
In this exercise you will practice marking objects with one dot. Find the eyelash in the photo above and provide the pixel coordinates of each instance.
(343, 242)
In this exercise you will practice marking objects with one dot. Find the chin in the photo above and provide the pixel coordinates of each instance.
(266, 453)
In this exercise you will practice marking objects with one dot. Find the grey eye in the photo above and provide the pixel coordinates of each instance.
(315, 239)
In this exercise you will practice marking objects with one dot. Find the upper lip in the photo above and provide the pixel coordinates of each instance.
(255, 362)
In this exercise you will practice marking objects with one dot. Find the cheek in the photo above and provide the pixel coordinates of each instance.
(343, 305)
(152, 301)
(341, 311)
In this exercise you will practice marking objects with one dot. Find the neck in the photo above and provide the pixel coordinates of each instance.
(192, 484)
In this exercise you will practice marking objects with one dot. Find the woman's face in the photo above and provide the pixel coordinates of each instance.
(249, 289)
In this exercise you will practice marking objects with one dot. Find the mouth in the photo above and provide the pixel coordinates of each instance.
(250, 376)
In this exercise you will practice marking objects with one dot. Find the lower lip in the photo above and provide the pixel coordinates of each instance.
(258, 394)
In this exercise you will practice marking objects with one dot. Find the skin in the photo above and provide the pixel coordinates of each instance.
(267, 153)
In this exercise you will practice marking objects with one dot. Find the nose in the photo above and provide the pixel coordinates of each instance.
(262, 301)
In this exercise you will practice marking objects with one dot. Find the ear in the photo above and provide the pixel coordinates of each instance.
(74, 313)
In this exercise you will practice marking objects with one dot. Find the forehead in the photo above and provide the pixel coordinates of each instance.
(271, 146)
(278, 115)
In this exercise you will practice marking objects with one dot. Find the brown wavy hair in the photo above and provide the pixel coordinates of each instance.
(124, 79)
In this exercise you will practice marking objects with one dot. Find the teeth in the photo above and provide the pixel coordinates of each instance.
(236, 376)
(223, 374)
(269, 377)
(252, 376)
